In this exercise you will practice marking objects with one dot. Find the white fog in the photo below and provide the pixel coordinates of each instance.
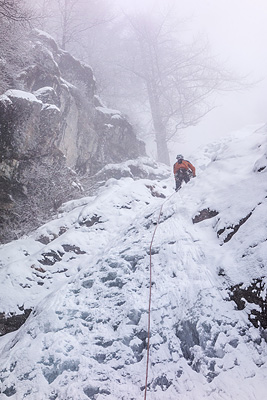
(237, 31)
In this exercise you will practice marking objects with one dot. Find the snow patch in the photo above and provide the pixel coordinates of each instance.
(12, 93)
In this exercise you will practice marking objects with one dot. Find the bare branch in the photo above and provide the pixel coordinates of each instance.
(15, 11)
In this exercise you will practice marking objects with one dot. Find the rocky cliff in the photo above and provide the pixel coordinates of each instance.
(54, 129)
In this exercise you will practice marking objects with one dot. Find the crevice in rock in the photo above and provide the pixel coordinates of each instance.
(233, 229)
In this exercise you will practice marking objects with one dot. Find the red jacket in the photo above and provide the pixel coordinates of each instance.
(184, 164)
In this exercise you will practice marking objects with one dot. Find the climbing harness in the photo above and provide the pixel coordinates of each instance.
(150, 292)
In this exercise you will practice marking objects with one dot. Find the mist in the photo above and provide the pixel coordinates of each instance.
(235, 30)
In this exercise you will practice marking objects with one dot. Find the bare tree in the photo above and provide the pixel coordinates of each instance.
(14, 10)
(70, 20)
(178, 78)
(14, 23)
(141, 61)
(44, 184)
(80, 16)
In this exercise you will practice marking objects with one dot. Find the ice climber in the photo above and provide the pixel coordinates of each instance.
(183, 171)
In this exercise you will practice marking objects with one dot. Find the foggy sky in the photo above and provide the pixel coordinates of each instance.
(237, 32)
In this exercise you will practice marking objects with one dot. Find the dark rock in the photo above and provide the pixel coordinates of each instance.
(10, 391)
(43, 239)
(50, 258)
(204, 214)
(73, 249)
(162, 382)
(92, 221)
(11, 323)
(253, 294)
(233, 229)
(221, 272)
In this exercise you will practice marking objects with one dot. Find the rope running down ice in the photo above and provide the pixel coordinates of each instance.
(150, 293)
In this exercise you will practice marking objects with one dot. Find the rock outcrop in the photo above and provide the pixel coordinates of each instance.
(54, 129)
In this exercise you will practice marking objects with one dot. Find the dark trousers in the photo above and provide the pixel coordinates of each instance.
(181, 175)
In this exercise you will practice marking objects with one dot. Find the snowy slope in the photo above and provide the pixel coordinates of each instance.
(88, 287)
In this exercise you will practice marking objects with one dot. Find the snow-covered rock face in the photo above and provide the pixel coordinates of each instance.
(28, 127)
(85, 275)
(57, 120)
(89, 139)
(88, 133)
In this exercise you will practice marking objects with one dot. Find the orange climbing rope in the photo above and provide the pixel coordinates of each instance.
(150, 292)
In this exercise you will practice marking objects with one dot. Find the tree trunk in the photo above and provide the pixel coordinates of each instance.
(150, 61)
(159, 127)
(162, 149)
(65, 27)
